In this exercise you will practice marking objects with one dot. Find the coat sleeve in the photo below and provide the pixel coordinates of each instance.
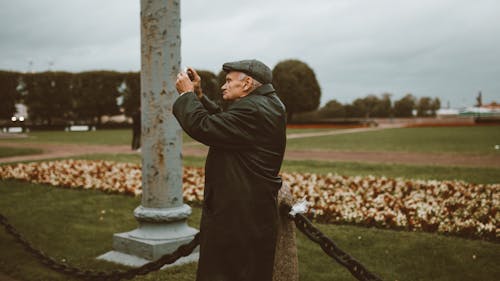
(209, 105)
(232, 129)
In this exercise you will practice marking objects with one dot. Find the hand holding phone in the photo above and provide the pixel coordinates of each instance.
(189, 73)
(196, 79)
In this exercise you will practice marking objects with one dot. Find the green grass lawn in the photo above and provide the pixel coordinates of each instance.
(77, 226)
(61, 220)
(106, 137)
(100, 137)
(13, 151)
(469, 140)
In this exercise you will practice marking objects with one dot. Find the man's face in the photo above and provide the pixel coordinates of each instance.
(235, 87)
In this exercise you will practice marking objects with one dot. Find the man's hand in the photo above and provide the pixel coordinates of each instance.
(196, 81)
(183, 83)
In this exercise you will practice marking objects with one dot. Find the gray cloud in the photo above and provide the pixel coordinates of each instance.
(444, 48)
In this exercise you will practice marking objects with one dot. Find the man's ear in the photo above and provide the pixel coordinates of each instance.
(247, 84)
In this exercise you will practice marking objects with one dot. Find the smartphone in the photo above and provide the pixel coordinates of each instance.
(189, 73)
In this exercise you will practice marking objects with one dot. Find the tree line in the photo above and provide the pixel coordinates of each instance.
(83, 97)
(87, 96)
(373, 106)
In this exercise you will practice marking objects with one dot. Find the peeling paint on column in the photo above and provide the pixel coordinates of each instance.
(162, 215)
(161, 139)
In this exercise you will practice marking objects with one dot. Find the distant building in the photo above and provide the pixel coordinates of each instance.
(493, 106)
(21, 112)
(447, 112)
(492, 109)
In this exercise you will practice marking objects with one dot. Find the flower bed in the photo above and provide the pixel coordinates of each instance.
(451, 207)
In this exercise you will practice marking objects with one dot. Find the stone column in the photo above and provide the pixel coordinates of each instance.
(286, 261)
(162, 214)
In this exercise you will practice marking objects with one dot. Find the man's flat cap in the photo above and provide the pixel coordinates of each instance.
(254, 68)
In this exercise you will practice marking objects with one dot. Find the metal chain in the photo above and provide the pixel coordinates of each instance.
(302, 223)
(329, 247)
(182, 251)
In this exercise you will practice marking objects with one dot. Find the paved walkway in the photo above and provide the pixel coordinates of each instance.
(51, 150)
(343, 131)
(69, 150)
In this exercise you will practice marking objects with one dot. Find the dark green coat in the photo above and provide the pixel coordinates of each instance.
(240, 215)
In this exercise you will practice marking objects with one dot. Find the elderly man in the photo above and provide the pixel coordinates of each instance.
(247, 144)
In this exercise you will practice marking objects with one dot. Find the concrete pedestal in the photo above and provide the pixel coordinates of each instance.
(160, 232)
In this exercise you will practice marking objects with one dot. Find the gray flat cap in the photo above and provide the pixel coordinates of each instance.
(254, 68)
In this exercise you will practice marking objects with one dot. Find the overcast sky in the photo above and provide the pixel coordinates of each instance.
(440, 48)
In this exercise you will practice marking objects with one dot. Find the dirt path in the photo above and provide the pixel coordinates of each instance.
(191, 149)
(52, 150)
(343, 131)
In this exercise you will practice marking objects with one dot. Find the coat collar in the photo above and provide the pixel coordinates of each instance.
(264, 90)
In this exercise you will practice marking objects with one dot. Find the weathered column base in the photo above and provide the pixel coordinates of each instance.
(135, 261)
(161, 231)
